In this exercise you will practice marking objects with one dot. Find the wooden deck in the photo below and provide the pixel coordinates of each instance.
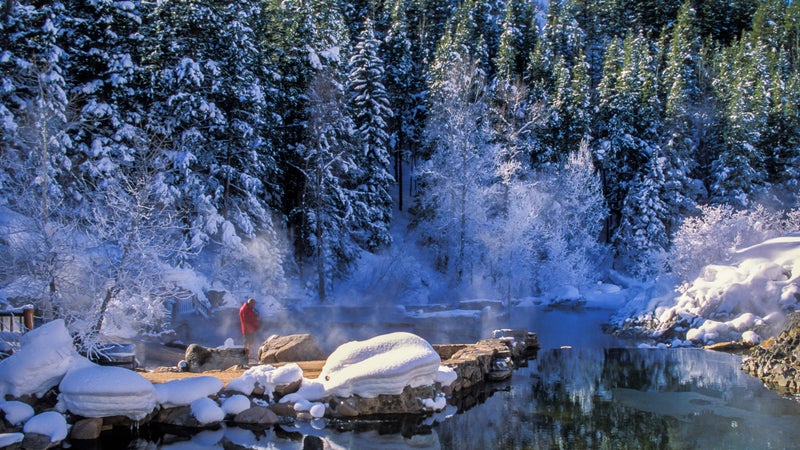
(311, 370)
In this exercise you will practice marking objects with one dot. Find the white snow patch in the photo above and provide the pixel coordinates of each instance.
(435, 404)
(206, 411)
(48, 423)
(40, 363)
(16, 413)
(184, 392)
(7, 439)
(235, 404)
(382, 365)
(266, 376)
(756, 288)
(90, 390)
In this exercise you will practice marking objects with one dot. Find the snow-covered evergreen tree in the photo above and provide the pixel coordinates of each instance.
(739, 171)
(209, 109)
(369, 104)
(104, 44)
(681, 134)
(641, 238)
(36, 109)
(628, 115)
(326, 211)
(404, 82)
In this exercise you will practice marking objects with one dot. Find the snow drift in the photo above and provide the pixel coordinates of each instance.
(43, 359)
(738, 301)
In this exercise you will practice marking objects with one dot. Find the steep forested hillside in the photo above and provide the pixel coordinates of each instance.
(254, 141)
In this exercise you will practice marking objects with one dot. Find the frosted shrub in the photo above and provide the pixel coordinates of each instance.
(714, 235)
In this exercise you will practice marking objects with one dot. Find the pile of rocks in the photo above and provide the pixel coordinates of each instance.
(776, 361)
(488, 359)
(473, 364)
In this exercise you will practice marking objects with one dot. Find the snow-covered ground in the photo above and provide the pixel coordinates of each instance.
(746, 299)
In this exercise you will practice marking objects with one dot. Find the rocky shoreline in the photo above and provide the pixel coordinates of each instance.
(776, 361)
(473, 364)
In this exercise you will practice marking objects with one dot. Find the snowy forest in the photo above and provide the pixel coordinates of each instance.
(251, 146)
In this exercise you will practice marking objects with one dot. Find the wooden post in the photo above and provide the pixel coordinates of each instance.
(27, 317)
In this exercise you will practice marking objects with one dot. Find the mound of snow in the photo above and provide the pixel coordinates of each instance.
(184, 392)
(206, 411)
(40, 363)
(730, 302)
(48, 423)
(8, 439)
(267, 377)
(382, 365)
(16, 413)
(103, 391)
(235, 404)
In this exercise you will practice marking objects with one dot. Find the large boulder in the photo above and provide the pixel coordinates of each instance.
(412, 400)
(291, 348)
(202, 359)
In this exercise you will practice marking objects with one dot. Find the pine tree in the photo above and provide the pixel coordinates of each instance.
(629, 114)
(369, 104)
(104, 44)
(36, 109)
(515, 39)
(681, 108)
(209, 109)
(739, 171)
(641, 238)
(326, 208)
(405, 86)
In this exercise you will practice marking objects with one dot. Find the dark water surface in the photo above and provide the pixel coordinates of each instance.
(585, 389)
(628, 398)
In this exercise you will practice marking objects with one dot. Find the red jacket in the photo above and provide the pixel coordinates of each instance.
(248, 318)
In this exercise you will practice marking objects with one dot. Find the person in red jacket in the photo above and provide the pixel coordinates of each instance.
(248, 317)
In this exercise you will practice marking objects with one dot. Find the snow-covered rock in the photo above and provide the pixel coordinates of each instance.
(266, 377)
(90, 390)
(50, 423)
(382, 365)
(235, 404)
(41, 362)
(16, 413)
(9, 439)
(184, 392)
(206, 411)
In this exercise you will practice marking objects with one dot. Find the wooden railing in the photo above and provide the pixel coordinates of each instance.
(19, 320)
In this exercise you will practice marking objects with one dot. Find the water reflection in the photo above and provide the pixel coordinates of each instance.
(566, 399)
(628, 398)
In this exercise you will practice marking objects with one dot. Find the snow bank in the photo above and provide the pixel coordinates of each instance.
(103, 391)
(729, 302)
(381, 365)
(184, 392)
(40, 363)
(267, 377)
